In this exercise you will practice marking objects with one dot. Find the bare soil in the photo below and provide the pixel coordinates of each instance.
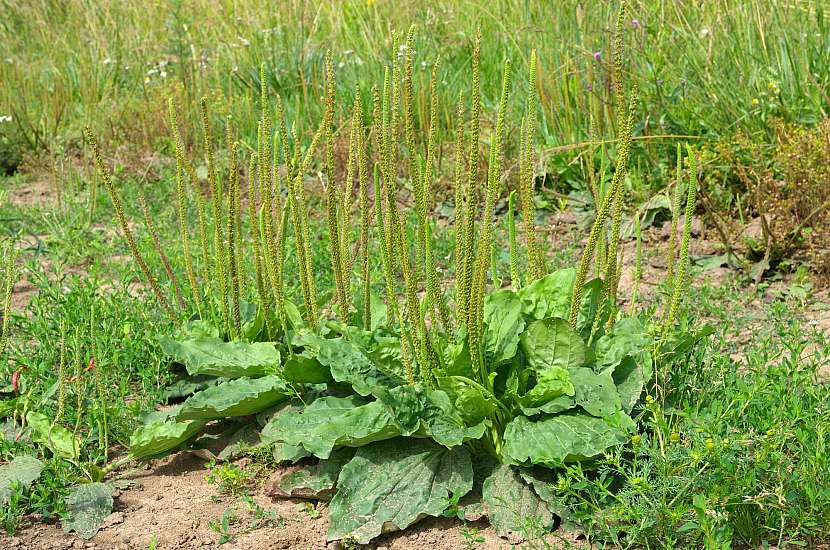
(172, 503)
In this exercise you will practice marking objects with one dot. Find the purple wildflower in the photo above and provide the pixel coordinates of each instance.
(635, 24)
(597, 56)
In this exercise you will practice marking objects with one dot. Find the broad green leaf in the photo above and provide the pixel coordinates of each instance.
(503, 323)
(331, 422)
(596, 393)
(188, 386)
(23, 470)
(625, 352)
(510, 503)
(471, 401)
(253, 320)
(87, 506)
(629, 380)
(457, 361)
(381, 346)
(58, 439)
(553, 343)
(392, 484)
(628, 338)
(153, 415)
(237, 397)
(549, 296)
(282, 451)
(551, 383)
(430, 412)
(197, 328)
(293, 316)
(349, 364)
(214, 357)
(378, 311)
(159, 437)
(561, 438)
(315, 481)
(303, 368)
(591, 297)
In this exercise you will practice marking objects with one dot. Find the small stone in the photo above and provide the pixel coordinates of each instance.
(564, 217)
(114, 519)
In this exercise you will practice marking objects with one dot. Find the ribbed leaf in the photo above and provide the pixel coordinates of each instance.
(349, 364)
(562, 438)
(55, 437)
(390, 485)
(23, 470)
(429, 412)
(215, 357)
(468, 398)
(162, 436)
(315, 481)
(87, 506)
(510, 504)
(503, 323)
(553, 343)
(331, 422)
(596, 393)
(549, 296)
(238, 397)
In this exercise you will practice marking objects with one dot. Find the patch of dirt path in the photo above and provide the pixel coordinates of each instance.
(172, 503)
(34, 193)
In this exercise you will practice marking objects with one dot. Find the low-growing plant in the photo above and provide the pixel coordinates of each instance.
(410, 402)
(8, 276)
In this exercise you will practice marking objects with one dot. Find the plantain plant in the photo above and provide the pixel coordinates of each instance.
(395, 401)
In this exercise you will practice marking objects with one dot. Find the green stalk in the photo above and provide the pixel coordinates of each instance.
(8, 261)
(434, 291)
(638, 265)
(331, 196)
(675, 214)
(602, 214)
(347, 256)
(476, 306)
(218, 237)
(526, 179)
(458, 187)
(256, 236)
(515, 279)
(233, 192)
(165, 261)
(181, 207)
(414, 169)
(683, 260)
(465, 277)
(365, 214)
(125, 228)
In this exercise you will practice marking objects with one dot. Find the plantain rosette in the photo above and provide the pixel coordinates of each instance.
(337, 402)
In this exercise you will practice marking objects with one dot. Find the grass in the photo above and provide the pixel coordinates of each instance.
(704, 70)
(733, 455)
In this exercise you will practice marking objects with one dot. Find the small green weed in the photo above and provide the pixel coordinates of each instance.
(239, 520)
(472, 538)
(229, 479)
